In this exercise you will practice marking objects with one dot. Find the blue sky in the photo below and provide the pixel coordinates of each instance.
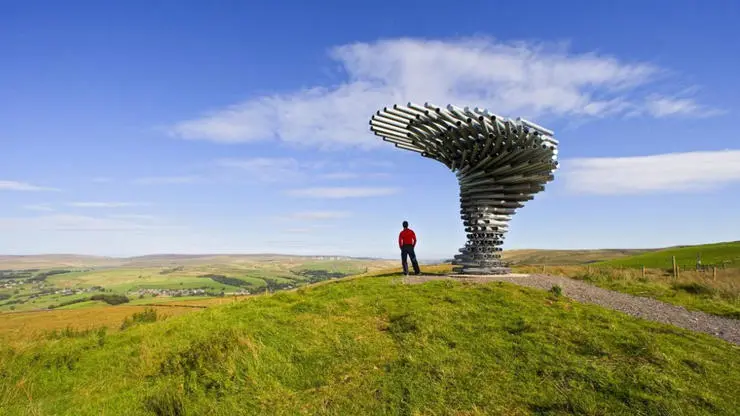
(139, 127)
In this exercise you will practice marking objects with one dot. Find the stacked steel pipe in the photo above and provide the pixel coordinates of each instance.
(499, 164)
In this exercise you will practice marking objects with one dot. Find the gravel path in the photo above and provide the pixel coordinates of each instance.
(646, 308)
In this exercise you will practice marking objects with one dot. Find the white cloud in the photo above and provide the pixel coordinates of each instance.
(168, 180)
(660, 106)
(105, 204)
(319, 215)
(692, 171)
(22, 186)
(39, 207)
(342, 192)
(519, 79)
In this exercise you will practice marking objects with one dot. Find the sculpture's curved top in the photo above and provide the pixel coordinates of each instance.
(499, 163)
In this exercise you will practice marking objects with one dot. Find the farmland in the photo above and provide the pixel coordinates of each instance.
(147, 278)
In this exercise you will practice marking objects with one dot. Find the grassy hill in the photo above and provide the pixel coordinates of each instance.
(565, 257)
(711, 254)
(370, 345)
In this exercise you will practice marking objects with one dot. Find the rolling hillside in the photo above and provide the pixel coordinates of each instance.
(565, 257)
(371, 346)
(719, 254)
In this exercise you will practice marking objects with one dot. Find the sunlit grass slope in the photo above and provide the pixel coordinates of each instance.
(714, 254)
(372, 345)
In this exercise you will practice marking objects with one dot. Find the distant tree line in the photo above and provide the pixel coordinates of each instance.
(40, 277)
(111, 299)
(313, 276)
(172, 270)
(231, 281)
(17, 274)
(107, 298)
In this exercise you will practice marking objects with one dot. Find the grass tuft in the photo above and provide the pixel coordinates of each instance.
(146, 316)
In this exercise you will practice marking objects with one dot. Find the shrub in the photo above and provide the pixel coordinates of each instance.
(231, 281)
(148, 315)
(556, 290)
(69, 302)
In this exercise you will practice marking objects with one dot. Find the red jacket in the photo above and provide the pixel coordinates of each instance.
(407, 236)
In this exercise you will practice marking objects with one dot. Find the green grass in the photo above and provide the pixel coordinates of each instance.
(694, 296)
(711, 254)
(372, 346)
(82, 305)
(693, 290)
(533, 256)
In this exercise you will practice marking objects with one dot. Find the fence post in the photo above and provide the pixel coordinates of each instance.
(643, 271)
(543, 268)
(675, 269)
(714, 273)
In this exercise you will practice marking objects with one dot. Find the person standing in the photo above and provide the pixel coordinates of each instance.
(407, 242)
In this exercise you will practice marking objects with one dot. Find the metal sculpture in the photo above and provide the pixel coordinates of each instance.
(499, 164)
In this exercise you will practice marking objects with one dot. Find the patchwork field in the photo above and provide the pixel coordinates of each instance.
(147, 278)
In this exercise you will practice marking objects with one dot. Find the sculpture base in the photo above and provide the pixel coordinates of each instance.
(482, 270)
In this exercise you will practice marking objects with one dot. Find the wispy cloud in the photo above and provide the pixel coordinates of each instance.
(97, 204)
(342, 192)
(266, 169)
(168, 180)
(23, 186)
(524, 79)
(39, 207)
(303, 230)
(134, 217)
(692, 171)
(64, 222)
(319, 215)
(339, 175)
(660, 106)
(291, 170)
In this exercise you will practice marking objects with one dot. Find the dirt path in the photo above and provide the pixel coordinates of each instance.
(646, 308)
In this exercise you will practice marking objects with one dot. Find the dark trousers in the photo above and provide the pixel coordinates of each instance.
(407, 250)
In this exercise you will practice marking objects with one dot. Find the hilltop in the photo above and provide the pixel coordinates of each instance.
(371, 345)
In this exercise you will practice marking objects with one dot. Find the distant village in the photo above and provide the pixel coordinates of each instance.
(181, 293)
